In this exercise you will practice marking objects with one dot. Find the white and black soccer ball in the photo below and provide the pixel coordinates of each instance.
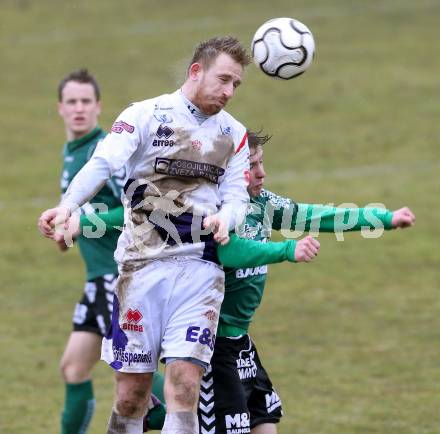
(283, 48)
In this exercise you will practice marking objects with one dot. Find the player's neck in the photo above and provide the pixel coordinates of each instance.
(187, 91)
(72, 135)
(193, 108)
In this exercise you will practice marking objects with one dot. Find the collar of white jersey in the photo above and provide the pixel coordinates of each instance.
(197, 114)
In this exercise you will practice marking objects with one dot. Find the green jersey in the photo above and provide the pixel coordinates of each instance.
(244, 287)
(97, 251)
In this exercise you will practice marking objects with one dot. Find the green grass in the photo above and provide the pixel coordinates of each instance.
(350, 341)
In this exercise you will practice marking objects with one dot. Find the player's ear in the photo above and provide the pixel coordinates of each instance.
(194, 71)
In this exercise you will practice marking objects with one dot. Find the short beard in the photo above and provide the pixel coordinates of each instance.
(207, 109)
(209, 112)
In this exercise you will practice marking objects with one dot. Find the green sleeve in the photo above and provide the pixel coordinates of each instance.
(243, 253)
(280, 210)
(331, 219)
(113, 219)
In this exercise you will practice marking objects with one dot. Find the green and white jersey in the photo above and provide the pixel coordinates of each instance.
(96, 252)
(244, 287)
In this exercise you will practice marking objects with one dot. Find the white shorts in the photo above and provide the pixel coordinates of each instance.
(167, 308)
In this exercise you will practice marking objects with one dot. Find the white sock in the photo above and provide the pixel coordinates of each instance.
(181, 422)
(124, 425)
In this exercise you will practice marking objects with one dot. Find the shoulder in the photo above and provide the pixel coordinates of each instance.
(65, 150)
(135, 115)
(139, 107)
(274, 199)
(230, 126)
(144, 110)
(229, 123)
(150, 104)
(266, 195)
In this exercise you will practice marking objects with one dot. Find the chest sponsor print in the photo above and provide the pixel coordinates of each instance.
(188, 169)
(242, 273)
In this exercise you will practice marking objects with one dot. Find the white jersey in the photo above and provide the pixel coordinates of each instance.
(178, 171)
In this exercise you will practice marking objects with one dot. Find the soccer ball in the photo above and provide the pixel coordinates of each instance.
(283, 48)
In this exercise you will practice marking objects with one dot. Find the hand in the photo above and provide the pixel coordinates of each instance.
(306, 249)
(218, 228)
(403, 218)
(52, 219)
(65, 238)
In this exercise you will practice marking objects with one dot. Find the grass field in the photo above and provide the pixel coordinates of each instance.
(352, 340)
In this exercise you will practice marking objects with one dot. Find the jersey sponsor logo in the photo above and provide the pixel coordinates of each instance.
(210, 314)
(128, 357)
(132, 327)
(188, 169)
(273, 401)
(156, 107)
(196, 145)
(246, 366)
(191, 109)
(120, 126)
(163, 118)
(238, 423)
(242, 273)
(277, 201)
(226, 131)
(164, 132)
(205, 336)
(163, 142)
(132, 317)
(249, 231)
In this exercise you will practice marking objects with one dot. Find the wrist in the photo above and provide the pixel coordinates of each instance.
(290, 250)
(388, 220)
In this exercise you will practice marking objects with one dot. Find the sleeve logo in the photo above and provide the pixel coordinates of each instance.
(119, 126)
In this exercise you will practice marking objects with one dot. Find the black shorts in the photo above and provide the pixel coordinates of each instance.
(236, 393)
(93, 313)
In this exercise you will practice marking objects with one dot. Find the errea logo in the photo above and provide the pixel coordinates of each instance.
(238, 423)
(164, 132)
(133, 317)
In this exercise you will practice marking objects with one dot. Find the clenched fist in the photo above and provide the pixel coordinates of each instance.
(306, 249)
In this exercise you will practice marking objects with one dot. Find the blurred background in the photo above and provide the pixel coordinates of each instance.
(350, 340)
